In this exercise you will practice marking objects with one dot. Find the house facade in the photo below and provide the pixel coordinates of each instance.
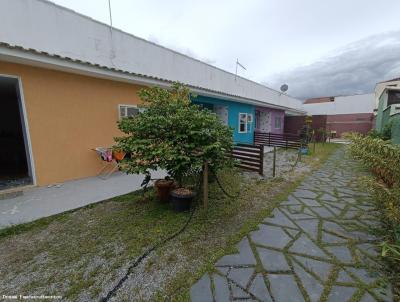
(269, 120)
(238, 116)
(66, 79)
(337, 115)
(387, 107)
(244, 119)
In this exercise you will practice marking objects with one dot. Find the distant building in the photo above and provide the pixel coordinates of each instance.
(387, 107)
(337, 114)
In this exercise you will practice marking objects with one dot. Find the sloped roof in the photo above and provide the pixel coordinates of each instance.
(44, 28)
(157, 79)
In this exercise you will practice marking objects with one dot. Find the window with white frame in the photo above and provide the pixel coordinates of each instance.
(278, 122)
(127, 111)
(245, 121)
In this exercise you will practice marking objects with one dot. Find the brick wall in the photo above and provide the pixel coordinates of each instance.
(341, 123)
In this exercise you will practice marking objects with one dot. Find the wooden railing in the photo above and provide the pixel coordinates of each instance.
(249, 157)
(285, 140)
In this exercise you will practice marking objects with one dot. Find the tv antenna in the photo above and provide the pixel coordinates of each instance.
(112, 54)
(109, 10)
(238, 64)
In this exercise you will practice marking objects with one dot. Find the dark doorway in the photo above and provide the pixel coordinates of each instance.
(14, 155)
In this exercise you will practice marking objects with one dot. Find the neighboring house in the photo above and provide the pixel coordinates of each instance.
(237, 115)
(338, 114)
(387, 105)
(244, 118)
(66, 79)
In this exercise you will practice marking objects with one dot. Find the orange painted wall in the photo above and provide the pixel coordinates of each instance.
(69, 114)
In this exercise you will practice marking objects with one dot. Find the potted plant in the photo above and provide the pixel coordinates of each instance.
(175, 135)
(181, 199)
(163, 188)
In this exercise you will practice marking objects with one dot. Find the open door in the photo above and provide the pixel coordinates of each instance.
(15, 160)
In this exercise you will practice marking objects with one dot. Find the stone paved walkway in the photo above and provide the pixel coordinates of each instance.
(317, 246)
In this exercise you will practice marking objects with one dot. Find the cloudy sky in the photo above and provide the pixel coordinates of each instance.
(318, 48)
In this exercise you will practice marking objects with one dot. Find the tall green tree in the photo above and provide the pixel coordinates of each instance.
(173, 134)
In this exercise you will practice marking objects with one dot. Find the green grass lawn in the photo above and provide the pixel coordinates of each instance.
(81, 254)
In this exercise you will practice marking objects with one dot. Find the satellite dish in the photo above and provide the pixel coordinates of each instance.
(284, 88)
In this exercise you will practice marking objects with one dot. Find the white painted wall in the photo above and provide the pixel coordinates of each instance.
(44, 26)
(361, 103)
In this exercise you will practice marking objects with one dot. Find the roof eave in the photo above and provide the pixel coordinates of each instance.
(32, 57)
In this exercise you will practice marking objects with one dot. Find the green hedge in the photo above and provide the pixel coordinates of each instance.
(383, 159)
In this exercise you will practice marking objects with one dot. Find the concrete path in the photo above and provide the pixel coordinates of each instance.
(317, 246)
(46, 201)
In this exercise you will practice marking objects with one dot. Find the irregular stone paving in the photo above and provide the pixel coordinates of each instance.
(317, 246)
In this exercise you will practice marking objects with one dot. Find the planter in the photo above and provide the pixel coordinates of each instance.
(163, 189)
(304, 151)
(181, 199)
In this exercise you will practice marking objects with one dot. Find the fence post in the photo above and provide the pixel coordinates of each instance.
(301, 147)
(286, 142)
(273, 163)
(261, 172)
(205, 185)
(269, 138)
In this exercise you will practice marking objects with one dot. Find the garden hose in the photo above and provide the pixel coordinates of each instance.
(129, 271)
(222, 188)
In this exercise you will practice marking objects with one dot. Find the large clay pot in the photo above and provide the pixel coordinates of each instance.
(163, 189)
(181, 199)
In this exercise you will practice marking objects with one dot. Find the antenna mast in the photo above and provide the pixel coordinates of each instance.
(109, 9)
(238, 64)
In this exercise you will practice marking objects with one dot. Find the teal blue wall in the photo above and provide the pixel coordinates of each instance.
(234, 109)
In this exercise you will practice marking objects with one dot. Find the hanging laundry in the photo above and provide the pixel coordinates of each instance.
(105, 154)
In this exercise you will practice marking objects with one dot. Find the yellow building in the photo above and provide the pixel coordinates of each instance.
(64, 116)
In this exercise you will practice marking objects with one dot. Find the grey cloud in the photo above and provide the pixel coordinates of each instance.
(353, 69)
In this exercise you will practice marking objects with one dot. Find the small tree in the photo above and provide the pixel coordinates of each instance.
(173, 134)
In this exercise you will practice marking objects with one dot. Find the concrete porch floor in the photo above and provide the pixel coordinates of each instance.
(40, 202)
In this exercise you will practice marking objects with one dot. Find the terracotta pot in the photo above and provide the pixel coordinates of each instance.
(118, 155)
(181, 200)
(163, 189)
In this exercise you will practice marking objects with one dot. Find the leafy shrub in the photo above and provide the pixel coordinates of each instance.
(383, 158)
(387, 131)
(322, 134)
(173, 134)
(374, 134)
